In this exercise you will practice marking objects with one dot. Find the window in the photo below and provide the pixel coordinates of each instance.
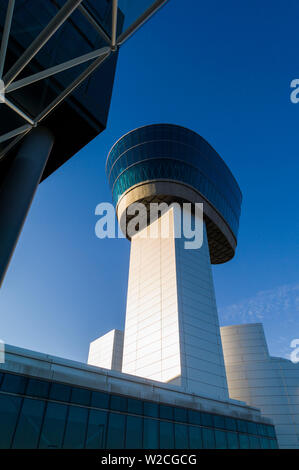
(219, 422)
(166, 412)
(252, 427)
(232, 440)
(220, 437)
(166, 435)
(150, 409)
(265, 443)
(53, 427)
(80, 396)
(116, 431)
(150, 433)
(29, 424)
(206, 419)
(195, 437)
(135, 406)
(254, 442)
(242, 425)
(208, 438)
(37, 388)
(9, 410)
(100, 400)
(180, 414)
(181, 436)
(60, 392)
(96, 432)
(244, 441)
(75, 428)
(194, 417)
(118, 403)
(13, 383)
(230, 424)
(134, 432)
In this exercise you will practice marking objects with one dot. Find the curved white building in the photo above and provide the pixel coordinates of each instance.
(268, 383)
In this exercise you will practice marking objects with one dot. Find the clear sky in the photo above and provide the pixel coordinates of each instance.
(224, 70)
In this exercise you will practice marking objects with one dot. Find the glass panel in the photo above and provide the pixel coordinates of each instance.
(151, 409)
(254, 442)
(9, 410)
(180, 414)
(181, 436)
(37, 388)
(75, 428)
(242, 425)
(219, 422)
(166, 412)
(118, 403)
(135, 406)
(14, 383)
(150, 433)
(100, 400)
(116, 431)
(265, 443)
(195, 437)
(220, 437)
(273, 444)
(230, 424)
(232, 440)
(80, 396)
(134, 432)
(60, 392)
(96, 432)
(53, 427)
(252, 427)
(166, 435)
(206, 419)
(244, 441)
(29, 424)
(271, 431)
(194, 417)
(208, 438)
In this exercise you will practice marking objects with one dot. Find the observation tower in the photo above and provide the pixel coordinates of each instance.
(172, 329)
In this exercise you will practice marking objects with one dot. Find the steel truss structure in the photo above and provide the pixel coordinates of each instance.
(96, 57)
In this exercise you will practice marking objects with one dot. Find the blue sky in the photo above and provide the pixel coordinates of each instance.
(224, 70)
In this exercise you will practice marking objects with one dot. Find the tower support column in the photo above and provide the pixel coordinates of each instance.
(172, 331)
(18, 189)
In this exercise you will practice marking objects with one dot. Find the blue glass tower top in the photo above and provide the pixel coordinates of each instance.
(171, 153)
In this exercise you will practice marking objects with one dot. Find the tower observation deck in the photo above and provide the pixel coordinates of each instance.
(164, 162)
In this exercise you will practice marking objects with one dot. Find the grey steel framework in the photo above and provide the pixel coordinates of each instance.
(96, 58)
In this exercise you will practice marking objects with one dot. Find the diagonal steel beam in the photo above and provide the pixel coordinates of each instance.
(41, 40)
(14, 133)
(6, 33)
(57, 69)
(140, 21)
(94, 23)
(19, 111)
(72, 87)
(114, 22)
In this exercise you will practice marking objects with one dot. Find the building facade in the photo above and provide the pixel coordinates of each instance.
(269, 383)
(50, 403)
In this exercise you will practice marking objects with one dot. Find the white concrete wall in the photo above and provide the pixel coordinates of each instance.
(202, 359)
(269, 383)
(172, 331)
(107, 351)
(151, 341)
